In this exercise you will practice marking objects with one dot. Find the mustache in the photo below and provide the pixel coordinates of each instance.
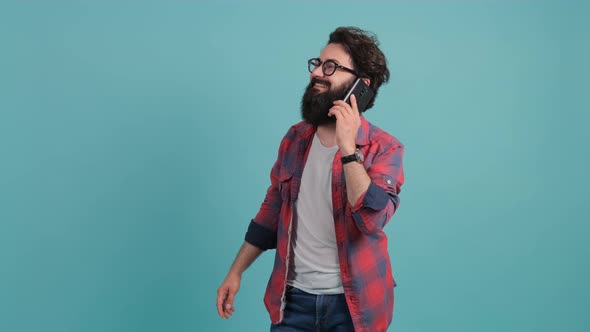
(319, 80)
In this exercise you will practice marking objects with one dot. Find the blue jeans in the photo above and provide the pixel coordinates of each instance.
(317, 313)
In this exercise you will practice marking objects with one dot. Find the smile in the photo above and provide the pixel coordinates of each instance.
(320, 85)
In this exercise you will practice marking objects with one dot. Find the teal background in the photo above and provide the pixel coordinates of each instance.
(136, 140)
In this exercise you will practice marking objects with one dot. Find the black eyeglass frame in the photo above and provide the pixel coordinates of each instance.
(311, 66)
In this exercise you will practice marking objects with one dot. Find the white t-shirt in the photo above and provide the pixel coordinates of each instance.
(315, 268)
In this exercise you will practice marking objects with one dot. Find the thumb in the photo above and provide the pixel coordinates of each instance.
(353, 103)
(229, 301)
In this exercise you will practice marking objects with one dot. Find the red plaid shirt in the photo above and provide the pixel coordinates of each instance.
(362, 245)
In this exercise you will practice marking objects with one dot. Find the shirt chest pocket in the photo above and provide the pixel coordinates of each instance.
(286, 185)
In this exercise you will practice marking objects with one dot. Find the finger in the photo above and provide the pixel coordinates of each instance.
(229, 301)
(345, 113)
(221, 294)
(229, 304)
(229, 308)
(344, 105)
(226, 311)
(229, 312)
(337, 112)
(341, 108)
(353, 104)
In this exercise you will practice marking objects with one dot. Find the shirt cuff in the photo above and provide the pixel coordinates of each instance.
(374, 198)
(261, 237)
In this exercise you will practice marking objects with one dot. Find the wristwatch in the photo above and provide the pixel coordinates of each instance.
(357, 156)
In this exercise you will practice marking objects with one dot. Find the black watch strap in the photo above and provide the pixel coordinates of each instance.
(348, 159)
(356, 156)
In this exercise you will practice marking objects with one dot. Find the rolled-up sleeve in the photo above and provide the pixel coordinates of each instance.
(262, 231)
(261, 237)
(376, 206)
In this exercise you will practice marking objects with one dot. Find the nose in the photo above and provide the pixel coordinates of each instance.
(318, 72)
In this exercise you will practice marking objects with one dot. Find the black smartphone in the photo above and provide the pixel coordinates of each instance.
(362, 92)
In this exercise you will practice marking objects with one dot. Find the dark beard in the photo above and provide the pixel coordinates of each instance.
(315, 106)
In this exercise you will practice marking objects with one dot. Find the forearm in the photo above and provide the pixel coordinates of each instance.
(247, 254)
(373, 195)
(357, 181)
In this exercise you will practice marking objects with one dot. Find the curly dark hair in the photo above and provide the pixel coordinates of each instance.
(367, 58)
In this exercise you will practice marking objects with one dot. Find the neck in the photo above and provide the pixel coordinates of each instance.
(327, 134)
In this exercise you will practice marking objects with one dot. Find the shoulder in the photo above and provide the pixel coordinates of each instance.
(382, 138)
(296, 133)
(298, 129)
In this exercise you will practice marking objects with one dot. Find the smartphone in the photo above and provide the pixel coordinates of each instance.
(362, 92)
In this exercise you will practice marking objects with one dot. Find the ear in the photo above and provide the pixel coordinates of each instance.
(367, 81)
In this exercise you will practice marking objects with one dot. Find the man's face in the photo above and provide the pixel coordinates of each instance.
(323, 90)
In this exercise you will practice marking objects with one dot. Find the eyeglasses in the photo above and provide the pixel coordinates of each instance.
(328, 67)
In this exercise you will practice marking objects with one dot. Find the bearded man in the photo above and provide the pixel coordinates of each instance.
(334, 187)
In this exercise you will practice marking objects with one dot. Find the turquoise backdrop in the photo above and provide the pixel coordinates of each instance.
(136, 139)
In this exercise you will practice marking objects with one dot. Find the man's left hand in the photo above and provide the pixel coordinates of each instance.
(348, 122)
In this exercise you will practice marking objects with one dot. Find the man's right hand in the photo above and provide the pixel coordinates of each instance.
(226, 294)
(230, 286)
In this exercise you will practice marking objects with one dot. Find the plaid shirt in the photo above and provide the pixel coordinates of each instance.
(362, 245)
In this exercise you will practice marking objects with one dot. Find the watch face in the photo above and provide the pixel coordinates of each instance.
(359, 156)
